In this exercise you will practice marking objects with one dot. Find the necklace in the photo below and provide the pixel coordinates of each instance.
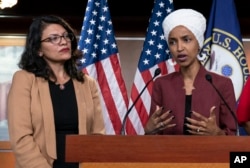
(62, 81)
(61, 86)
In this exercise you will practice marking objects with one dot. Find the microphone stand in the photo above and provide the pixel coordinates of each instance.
(157, 72)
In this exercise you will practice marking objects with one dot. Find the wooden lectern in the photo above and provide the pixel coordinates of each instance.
(154, 151)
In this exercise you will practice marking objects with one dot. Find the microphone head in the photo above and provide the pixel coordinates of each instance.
(209, 78)
(157, 72)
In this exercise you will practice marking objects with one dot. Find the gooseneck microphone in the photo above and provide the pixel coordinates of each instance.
(209, 79)
(156, 73)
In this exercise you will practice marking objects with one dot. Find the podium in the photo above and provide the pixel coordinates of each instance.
(94, 151)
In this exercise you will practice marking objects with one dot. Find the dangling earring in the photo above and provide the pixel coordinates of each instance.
(40, 54)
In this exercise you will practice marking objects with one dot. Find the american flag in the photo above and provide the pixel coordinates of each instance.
(101, 61)
(155, 54)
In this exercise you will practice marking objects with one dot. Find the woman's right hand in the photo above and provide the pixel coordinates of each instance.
(158, 121)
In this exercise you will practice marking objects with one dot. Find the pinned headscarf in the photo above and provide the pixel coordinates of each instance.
(191, 19)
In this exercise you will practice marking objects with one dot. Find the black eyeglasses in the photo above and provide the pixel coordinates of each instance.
(56, 39)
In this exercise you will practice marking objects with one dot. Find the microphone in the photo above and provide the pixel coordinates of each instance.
(209, 79)
(156, 73)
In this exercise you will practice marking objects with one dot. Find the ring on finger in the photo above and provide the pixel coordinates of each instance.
(162, 124)
(198, 130)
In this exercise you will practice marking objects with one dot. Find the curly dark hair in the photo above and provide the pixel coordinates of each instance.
(32, 62)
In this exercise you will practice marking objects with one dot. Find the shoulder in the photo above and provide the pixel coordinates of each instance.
(22, 81)
(222, 82)
(23, 76)
(217, 77)
(247, 83)
(168, 77)
(88, 79)
(89, 82)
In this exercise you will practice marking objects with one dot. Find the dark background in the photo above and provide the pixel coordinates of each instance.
(129, 16)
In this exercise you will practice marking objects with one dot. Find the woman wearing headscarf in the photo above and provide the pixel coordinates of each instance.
(185, 102)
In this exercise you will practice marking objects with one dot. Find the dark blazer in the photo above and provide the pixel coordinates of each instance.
(168, 92)
(31, 118)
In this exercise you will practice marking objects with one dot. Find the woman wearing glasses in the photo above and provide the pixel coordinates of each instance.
(49, 97)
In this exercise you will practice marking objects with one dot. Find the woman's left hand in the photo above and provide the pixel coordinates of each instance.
(204, 125)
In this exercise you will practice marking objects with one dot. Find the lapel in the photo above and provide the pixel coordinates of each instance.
(48, 117)
(81, 94)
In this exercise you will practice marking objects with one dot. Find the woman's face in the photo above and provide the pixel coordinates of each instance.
(183, 46)
(55, 44)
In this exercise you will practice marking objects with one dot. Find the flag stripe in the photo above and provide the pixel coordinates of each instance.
(120, 82)
(106, 92)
